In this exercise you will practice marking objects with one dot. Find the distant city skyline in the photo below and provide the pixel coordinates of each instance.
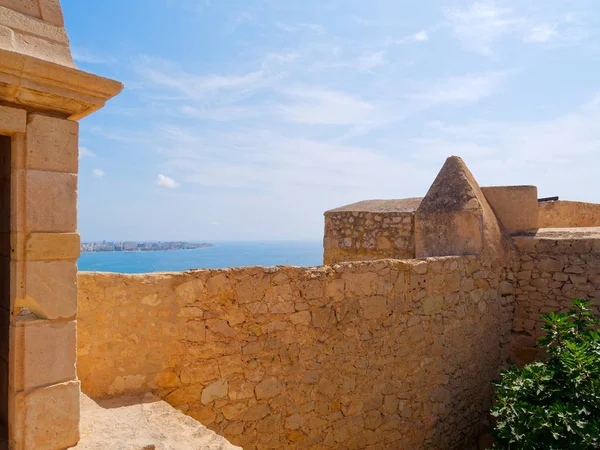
(247, 120)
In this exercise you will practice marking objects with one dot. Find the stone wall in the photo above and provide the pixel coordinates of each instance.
(35, 28)
(370, 230)
(555, 266)
(515, 206)
(384, 354)
(565, 214)
(366, 236)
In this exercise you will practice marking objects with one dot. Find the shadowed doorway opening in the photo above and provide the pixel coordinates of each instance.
(5, 168)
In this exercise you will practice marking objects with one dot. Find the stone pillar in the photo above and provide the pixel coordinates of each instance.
(43, 95)
(43, 386)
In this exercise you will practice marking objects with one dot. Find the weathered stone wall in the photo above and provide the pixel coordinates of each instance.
(515, 206)
(555, 267)
(35, 28)
(566, 214)
(366, 236)
(384, 354)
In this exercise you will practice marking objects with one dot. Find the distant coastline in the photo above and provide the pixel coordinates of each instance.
(141, 246)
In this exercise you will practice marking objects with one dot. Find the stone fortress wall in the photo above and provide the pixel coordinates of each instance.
(375, 229)
(556, 265)
(567, 214)
(386, 353)
(370, 230)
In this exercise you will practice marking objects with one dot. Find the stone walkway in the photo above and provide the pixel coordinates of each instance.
(142, 423)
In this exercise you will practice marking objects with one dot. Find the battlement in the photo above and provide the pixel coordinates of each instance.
(375, 229)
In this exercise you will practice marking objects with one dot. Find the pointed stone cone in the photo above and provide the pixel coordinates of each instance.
(455, 218)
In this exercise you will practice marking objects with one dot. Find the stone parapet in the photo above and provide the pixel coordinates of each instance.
(556, 265)
(369, 230)
(566, 214)
(387, 353)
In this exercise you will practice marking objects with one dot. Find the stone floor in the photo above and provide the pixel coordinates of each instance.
(142, 423)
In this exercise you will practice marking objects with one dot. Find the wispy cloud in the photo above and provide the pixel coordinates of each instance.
(547, 153)
(460, 90)
(166, 182)
(98, 173)
(420, 36)
(484, 23)
(318, 106)
(541, 33)
(481, 24)
(87, 56)
(371, 60)
(85, 152)
(313, 27)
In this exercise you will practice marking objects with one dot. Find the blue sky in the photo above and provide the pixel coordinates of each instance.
(246, 120)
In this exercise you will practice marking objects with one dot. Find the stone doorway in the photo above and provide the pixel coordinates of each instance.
(5, 182)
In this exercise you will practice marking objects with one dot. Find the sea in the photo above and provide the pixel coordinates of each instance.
(223, 254)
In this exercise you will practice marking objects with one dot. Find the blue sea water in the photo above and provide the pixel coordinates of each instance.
(223, 254)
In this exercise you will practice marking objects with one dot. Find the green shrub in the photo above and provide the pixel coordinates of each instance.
(554, 404)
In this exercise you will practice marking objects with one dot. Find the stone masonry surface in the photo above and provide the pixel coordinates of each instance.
(369, 230)
(562, 214)
(384, 354)
(555, 266)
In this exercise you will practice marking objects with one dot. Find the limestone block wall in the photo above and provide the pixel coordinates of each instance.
(366, 236)
(35, 28)
(566, 214)
(555, 266)
(40, 391)
(382, 354)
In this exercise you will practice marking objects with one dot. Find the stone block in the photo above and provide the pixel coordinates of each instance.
(550, 265)
(50, 202)
(28, 7)
(50, 289)
(40, 47)
(218, 389)
(257, 412)
(45, 246)
(268, 388)
(51, 12)
(433, 305)
(52, 144)
(49, 417)
(12, 120)
(44, 353)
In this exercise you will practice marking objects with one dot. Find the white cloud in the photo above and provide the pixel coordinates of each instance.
(313, 27)
(83, 55)
(85, 152)
(98, 173)
(484, 23)
(320, 106)
(371, 61)
(541, 33)
(553, 154)
(460, 90)
(421, 36)
(362, 21)
(481, 24)
(166, 182)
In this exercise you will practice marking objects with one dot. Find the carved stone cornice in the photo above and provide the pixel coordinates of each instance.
(42, 86)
